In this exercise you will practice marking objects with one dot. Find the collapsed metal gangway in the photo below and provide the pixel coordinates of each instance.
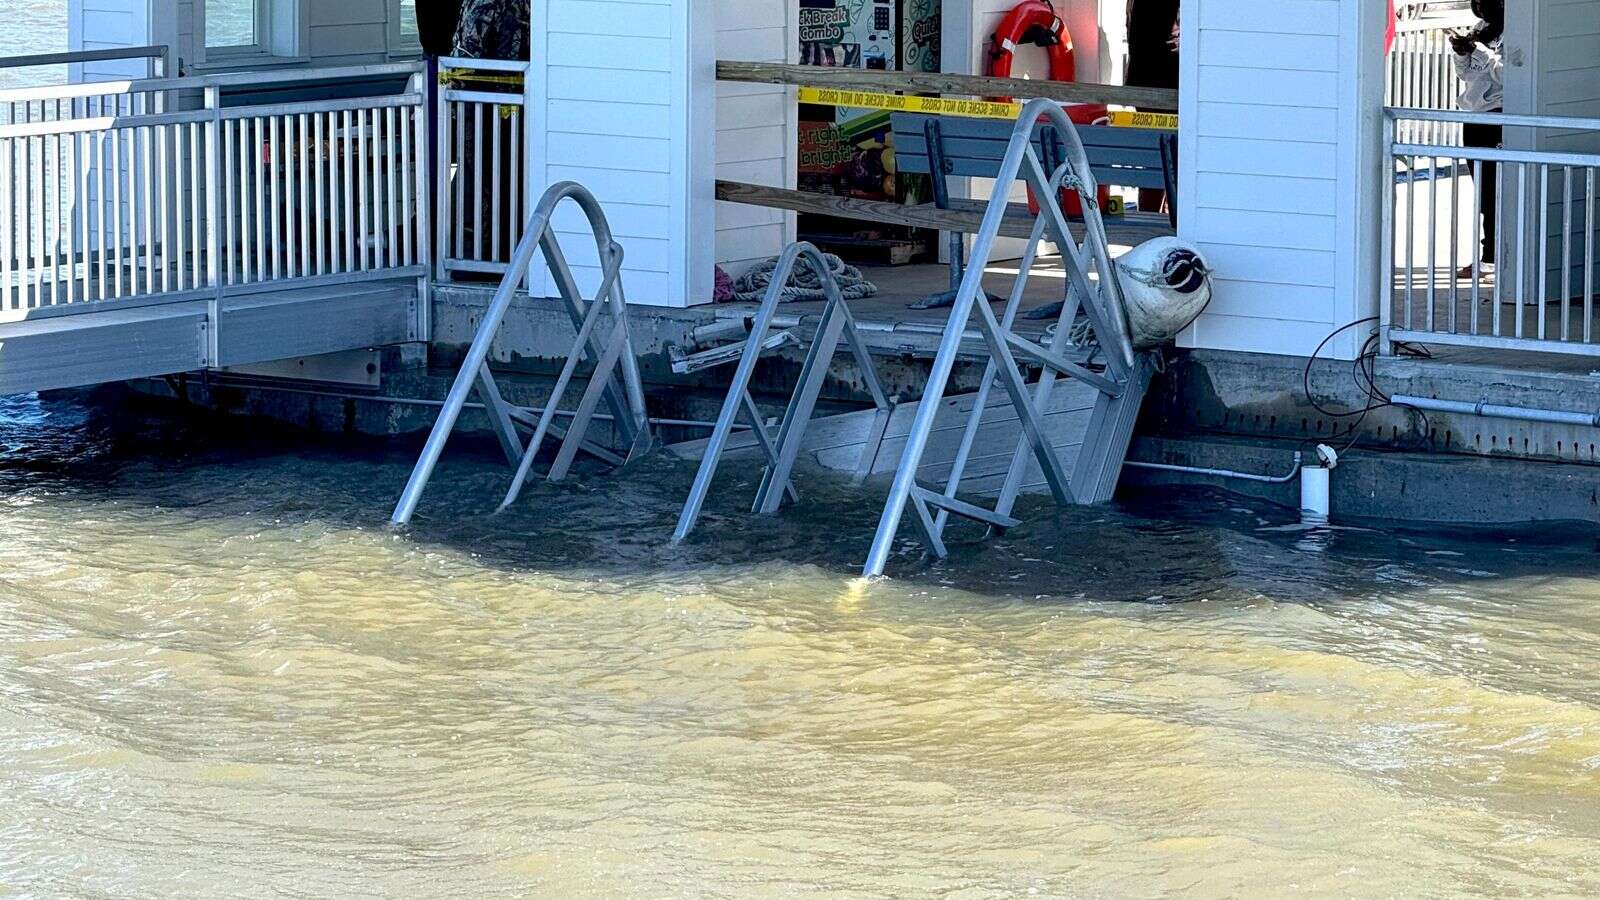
(781, 452)
(1121, 385)
(1117, 375)
(614, 379)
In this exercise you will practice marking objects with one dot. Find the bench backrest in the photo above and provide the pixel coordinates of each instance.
(973, 147)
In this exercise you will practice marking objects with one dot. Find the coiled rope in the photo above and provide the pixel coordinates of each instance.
(803, 284)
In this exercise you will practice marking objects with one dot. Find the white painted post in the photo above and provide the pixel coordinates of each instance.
(213, 214)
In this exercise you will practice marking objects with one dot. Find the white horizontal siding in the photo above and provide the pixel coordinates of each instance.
(108, 25)
(755, 129)
(1269, 179)
(347, 32)
(1567, 83)
(629, 166)
(610, 89)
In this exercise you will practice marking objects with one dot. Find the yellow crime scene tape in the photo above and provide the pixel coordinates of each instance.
(1127, 119)
(985, 109)
(465, 76)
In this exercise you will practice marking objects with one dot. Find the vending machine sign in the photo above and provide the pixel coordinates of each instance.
(852, 34)
(823, 26)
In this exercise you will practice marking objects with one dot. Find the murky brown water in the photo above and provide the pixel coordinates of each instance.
(221, 673)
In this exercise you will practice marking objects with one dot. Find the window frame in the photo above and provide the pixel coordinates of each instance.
(280, 34)
(261, 47)
(396, 42)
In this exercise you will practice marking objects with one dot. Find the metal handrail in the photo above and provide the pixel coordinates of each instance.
(484, 65)
(152, 207)
(1540, 232)
(155, 120)
(194, 82)
(1453, 19)
(1496, 154)
(1510, 120)
(482, 140)
(156, 53)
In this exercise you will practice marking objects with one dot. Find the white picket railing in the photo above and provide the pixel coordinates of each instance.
(481, 154)
(1422, 74)
(156, 190)
(1513, 270)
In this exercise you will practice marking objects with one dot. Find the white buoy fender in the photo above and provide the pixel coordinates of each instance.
(1166, 284)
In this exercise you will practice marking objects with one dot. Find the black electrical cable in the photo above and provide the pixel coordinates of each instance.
(1364, 370)
(1305, 379)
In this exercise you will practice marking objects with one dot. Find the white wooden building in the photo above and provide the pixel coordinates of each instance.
(1283, 179)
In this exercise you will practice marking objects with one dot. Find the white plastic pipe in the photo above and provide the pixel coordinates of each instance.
(1315, 506)
(1316, 483)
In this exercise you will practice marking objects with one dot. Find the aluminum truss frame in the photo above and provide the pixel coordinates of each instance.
(836, 323)
(614, 380)
(1122, 385)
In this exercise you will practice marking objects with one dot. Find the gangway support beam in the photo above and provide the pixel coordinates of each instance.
(837, 324)
(614, 376)
(1121, 385)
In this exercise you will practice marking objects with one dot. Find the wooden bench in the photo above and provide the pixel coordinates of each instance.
(945, 147)
(953, 146)
(973, 147)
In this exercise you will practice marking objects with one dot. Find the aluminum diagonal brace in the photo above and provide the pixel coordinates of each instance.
(802, 405)
(743, 374)
(598, 384)
(617, 395)
(1032, 422)
(969, 435)
(758, 426)
(1106, 321)
(547, 418)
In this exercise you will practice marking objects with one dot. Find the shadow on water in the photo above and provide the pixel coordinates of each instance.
(1166, 547)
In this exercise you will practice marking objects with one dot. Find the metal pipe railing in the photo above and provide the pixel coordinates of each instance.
(156, 54)
(1492, 247)
(1230, 474)
(1485, 409)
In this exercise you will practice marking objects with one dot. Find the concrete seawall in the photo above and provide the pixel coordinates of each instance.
(1246, 412)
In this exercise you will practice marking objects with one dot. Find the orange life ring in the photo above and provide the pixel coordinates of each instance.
(1033, 22)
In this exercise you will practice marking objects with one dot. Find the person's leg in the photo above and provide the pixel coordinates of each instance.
(1491, 194)
(1486, 137)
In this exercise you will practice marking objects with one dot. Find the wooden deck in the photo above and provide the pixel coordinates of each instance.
(1445, 308)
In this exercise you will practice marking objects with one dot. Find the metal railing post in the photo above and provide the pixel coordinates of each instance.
(441, 114)
(531, 178)
(213, 214)
(1386, 270)
(424, 210)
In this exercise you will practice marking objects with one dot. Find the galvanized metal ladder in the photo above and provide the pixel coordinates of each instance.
(781, 453)
(1121, 385)
(615, 377)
